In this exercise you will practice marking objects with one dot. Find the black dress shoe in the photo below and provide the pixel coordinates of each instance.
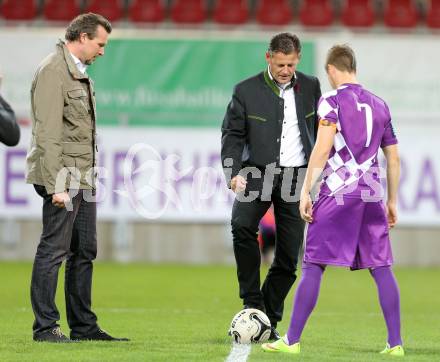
(53, 335)
(274, 335)
(255, 306)
(99, 335)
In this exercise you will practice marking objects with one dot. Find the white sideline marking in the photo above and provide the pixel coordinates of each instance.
(239, 352)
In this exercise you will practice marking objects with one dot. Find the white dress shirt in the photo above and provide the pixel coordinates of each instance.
(291, 149)
(79, 64)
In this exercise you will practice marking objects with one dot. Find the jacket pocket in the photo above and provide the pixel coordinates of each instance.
(77, 149)
(78, 103)
(79, 156)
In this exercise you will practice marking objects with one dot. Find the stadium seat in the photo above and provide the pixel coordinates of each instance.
(18, 9)
(358, 13)
(316, 13)
(274, 12)
(61, 10)
(188, 11)
(146, 11)
(231, 12)
(401, 14)
(112, 9)
(433, 16)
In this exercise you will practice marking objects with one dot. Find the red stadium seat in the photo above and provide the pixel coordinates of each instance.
(111, 9)
(188, 11)
(274, 12)
(61, 10)
(146, 11)
(401, 14)
(231, 12)
(433, 16)
(358, 13)
(316, 13)
(18, 9)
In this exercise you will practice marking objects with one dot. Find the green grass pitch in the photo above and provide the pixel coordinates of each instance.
(182, 313)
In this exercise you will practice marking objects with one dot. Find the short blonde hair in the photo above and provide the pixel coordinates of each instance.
(342, 57)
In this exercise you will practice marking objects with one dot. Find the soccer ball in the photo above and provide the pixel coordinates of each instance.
(250, 325)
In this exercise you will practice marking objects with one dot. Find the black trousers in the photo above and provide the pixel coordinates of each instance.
(289, 238)
(71, 236)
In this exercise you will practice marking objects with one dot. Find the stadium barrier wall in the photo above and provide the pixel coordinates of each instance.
(151, 84)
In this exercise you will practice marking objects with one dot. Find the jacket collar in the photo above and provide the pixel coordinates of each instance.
(71, 66)
(273, 85)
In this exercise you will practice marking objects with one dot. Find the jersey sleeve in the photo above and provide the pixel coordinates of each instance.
(328, 108)
(389, 136)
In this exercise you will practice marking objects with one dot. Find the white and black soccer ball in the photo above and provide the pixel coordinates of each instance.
(250, 325)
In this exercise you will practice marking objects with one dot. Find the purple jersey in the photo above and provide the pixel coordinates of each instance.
(363, 123)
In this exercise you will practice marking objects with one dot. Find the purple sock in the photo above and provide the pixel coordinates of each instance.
(389, 301)
(305, 300)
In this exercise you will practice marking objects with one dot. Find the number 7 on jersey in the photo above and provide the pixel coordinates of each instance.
(368, 120)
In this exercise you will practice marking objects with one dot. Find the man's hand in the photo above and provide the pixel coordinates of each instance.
(238, 184)
(305, 208)
(391, 209)
(61, 199)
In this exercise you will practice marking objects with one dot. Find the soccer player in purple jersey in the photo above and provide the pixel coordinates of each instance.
(354, 124)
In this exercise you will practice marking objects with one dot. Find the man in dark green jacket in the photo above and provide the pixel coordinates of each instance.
(267, 136)
(60, 165)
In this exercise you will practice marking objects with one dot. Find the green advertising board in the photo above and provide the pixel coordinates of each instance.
(175, 83)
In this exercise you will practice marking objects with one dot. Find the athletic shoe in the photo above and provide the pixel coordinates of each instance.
(281, 346)
(396, 351)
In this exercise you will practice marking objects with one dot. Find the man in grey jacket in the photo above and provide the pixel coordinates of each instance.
(9, 130)
(60, 165)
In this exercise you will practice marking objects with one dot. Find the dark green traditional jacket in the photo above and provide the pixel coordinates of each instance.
(252, 125)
